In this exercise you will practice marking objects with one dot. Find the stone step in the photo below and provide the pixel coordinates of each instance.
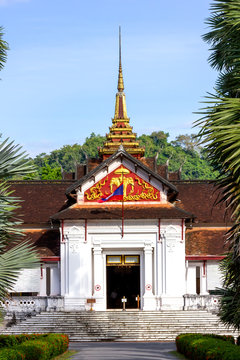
(122, 326)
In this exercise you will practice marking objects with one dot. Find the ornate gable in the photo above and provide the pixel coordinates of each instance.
(134, 187)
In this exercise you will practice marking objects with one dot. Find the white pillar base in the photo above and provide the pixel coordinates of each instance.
(100, 304)
(149, 303)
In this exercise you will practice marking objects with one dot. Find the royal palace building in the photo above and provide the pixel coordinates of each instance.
(121, 228)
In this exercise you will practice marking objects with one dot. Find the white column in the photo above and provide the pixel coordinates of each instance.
(76, 273)
(174, 285)
(42, 281)
(98, 282)
(203, 278)
(149, 301)
(64, 256)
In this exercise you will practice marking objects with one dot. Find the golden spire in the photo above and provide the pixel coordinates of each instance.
(120, 75)
(120, 131)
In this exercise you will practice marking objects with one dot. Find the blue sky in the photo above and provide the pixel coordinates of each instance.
(59, 82)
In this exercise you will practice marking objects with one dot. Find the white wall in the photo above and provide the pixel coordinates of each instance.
(191, 279)
(208, 281)
(213, 275)
(28, 281)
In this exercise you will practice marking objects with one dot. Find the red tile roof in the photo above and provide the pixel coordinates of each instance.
(41, 199)
(106, 211)
(206, 242)
(46, 241)
(198, 197)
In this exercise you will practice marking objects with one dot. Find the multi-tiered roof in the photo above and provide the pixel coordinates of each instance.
(121, 132)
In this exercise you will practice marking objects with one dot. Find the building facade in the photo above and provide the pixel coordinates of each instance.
(121, 229)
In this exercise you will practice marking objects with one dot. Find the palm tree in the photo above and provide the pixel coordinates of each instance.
(3, 49)
(16, 253)
(220, 131)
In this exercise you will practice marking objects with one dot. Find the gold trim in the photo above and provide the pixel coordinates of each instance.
(120, 120)
(95, 191)
(129, 150)
(132, 262)
(113, 129)
(122, 261)
(111, 262)
(118, 143)
(125, 136)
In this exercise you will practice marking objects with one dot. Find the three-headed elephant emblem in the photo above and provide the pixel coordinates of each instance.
(116, 181)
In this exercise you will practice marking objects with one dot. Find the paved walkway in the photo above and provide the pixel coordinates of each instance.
(123, 351)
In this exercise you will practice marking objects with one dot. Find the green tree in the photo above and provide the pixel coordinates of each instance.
(182, 152)
(50, 173)
(220, 131)
(187, 142)
(92, 144)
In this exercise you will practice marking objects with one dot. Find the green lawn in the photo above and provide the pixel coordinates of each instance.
(67, 355)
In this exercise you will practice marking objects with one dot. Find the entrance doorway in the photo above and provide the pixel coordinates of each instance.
(123, 279)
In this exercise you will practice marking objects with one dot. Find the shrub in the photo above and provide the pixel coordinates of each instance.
(207, 347)
(229, 338)
(12, 340)
(60, 342)
(33, 347)
(7, 341)
(11, 354)
(35, 350)
(25, 337)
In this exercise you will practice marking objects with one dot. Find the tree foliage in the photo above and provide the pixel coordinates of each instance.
(3, 49)
(15, 252)
(184, 152)
(220, 131)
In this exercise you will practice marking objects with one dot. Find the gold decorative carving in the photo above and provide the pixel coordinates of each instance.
(149, 195)
(96, 192)
(122, 171)
(134, 188)
(115, 181)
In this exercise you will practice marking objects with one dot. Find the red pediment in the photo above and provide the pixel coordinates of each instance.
(134, 187)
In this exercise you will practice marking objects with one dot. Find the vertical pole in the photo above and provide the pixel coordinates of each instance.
(122, 209)
(159, 230)
(62, 226)
(120, 60)
(85, 230)
(182, 229)
(122, 219)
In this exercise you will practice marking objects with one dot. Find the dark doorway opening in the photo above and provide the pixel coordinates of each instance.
(123, 281)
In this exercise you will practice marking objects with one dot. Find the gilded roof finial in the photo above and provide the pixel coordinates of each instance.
(120, 75)
(121, 136)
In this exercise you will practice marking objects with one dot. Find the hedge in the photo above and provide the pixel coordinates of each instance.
(207, 347)
(12, 340)
(32, 347)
